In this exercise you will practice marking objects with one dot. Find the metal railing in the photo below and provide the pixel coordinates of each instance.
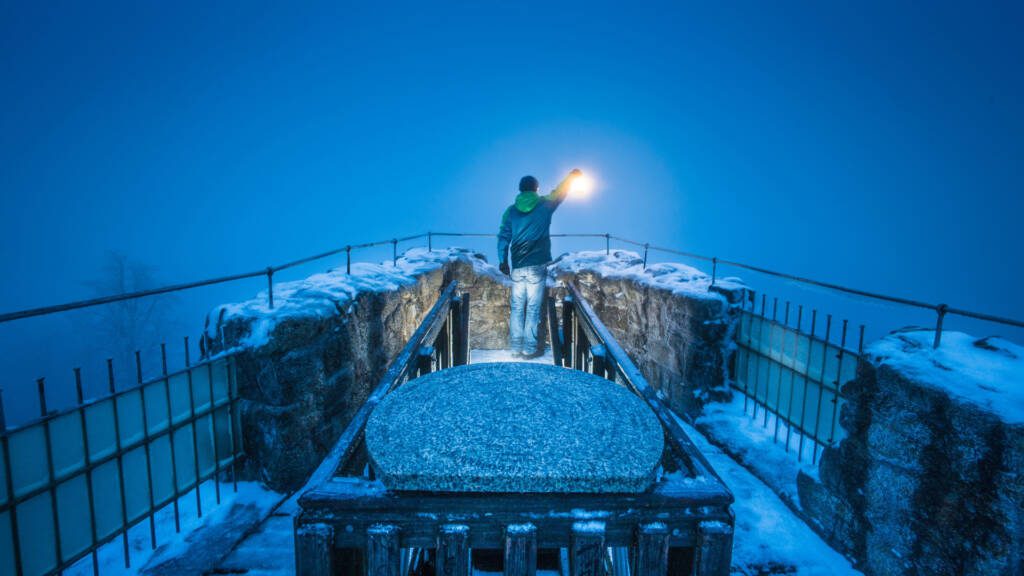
(794, 377)
(940, 310)
(76, 479)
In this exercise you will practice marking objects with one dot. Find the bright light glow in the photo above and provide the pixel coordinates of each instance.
(581, 186)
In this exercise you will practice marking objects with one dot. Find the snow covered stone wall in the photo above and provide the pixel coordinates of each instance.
(675, 325)
(307, 365)
(930, 479)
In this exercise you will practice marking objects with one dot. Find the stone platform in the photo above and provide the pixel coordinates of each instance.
(514, 427)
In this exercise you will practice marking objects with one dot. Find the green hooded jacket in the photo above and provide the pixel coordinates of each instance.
(524, 238)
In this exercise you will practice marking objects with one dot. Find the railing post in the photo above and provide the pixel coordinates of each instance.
(8, 480)
(646, 247)
(586, 554)
(383, 557)
(607, 243)
(425, 360)
(553, 332)
(270, 286)
(430, 241)
(651, 550)
(51, 475)
(394, 252)
(600, 356)
(462, 330)
(313, 549)
(520, 550)
(453, 550)
(941, 311)
(568, 343)
(714, 549)
(348, 259)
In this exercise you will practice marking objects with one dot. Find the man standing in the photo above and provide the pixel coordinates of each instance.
(526, 233)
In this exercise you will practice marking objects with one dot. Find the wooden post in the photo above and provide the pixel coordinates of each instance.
(521, 550)
(714, 549)
(460, 336)
(586, 553)
(383, 555)
(425, 360)
(568, 344)
(553, 333)
(313, 549)
(453, 550)
(600, 366)
(651, 550)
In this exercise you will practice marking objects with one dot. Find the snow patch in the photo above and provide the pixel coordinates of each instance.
(325, 294)
(679, 279)
(987, 372)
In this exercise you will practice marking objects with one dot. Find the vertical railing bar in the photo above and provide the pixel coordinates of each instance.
(746, 368)
(714, 270)
(9, 481)
(792, 373)
(821, 389)
(213, 421)
(860, 342)
(430, 241)
(394, 252)
(170, 436)
(760, 343)
(837, 383)
(807, 377)
(230, 369)
(270, 286)
(192, 423)
(646, 247)
(80, 397)
(778, 389)
(607, 244)
(149, 462)
(771, 344)
(348, 260)
(940, 310)
(52, 476)
(120, 462)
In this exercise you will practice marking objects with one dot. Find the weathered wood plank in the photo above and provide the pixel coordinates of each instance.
(714, 549)
(314, 545)
(383, 555)
(651, 555)
(521, 550)
(453, 550)
(587, 549)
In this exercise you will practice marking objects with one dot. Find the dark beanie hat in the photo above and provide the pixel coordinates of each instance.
(528, 184)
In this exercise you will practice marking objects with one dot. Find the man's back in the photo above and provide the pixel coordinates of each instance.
(526, 227)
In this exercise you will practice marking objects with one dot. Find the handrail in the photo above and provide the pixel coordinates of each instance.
(940, 309)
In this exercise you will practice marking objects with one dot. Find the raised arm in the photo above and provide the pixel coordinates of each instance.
(562, 190)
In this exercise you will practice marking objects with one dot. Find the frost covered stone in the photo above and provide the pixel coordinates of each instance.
(514, 427)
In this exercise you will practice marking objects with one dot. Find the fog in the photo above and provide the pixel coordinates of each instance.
(874, 146)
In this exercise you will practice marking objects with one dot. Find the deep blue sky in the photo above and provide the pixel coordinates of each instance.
(874, 145)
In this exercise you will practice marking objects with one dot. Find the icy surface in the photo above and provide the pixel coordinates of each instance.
(485, 356)
(171, 544)
(768, 536)
(626, 265)
(771, 456)
(988, 372)
(322, 295)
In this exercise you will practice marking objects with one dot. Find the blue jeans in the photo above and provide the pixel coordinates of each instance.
(527, 297)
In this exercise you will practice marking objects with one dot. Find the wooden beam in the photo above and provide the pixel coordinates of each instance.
(313, 549)
(383, 555)
(714, 549)
(453, 550)
(521, 550)
(651, 550)
(587, 549)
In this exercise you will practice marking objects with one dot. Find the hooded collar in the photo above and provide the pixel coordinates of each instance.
(527, 201)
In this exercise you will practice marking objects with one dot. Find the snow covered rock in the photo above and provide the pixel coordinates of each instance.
(929, 479)
(675, 325)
